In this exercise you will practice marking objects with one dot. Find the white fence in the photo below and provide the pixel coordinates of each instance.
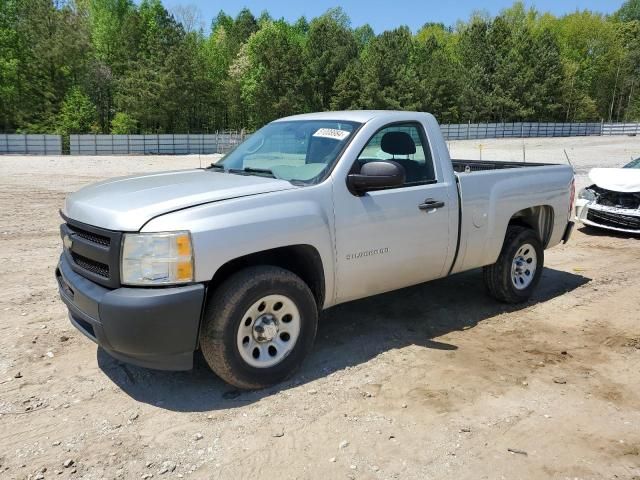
(30, 144)
(465, 131)
(167, 144)
(221, 142)
(620, 129)
(224, 141)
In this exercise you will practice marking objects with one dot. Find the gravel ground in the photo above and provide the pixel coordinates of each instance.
(433, 381)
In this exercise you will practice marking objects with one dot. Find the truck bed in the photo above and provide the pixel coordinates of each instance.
(492, 192)
(470, 166)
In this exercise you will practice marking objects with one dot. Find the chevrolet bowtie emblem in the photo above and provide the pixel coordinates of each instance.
(67, 242)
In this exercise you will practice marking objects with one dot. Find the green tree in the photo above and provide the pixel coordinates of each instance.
(512, 68)
(346, 94)
(363, 35)
(235, 105)
(222, 20)
(244, 25)
(330, 45)
(590, 57)
(544, 90)
(439, 72)
(134, 57)
(107, 19)
(629, 11)
(49, 46)
(9, 64)
(78, 114)
(153, 89)
(526, 82)
(301, 26)
(389, 79)
(222, 49)
(123, 124)
(114, 40)
(477, 58)
(272, 84)
(625, 102)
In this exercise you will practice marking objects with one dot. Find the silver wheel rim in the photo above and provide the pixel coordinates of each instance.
(268, 331)
(523, 267)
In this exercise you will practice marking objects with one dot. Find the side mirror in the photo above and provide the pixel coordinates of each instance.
(376, 176)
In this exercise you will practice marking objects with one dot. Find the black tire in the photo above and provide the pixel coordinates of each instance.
(225, 311)
(497, 277)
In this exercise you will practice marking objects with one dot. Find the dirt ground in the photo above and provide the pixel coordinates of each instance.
(433, 381)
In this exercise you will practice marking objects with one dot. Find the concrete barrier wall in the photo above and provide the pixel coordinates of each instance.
(222, 142)
(620, 128)
(163, 144)
(465, 131)
(32, 144)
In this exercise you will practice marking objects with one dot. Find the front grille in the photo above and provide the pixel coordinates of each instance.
(91, 237)
(91, 265)
(609, 219)
(92, 252)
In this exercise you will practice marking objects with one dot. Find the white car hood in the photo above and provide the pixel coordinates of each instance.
(626, 180)
(127, 203)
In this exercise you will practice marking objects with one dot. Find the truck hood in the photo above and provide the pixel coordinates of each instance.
(127, 203)
(626, 180)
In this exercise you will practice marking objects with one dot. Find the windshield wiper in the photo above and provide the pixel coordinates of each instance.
(217, 165)
(252, 170)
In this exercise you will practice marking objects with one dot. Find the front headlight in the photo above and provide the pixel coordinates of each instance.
(156, 258)
(587, 194)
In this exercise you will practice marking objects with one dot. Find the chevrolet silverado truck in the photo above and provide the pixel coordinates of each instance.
(311, 211)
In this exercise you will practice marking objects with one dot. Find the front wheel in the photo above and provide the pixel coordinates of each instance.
(517, 271)
(258, 327)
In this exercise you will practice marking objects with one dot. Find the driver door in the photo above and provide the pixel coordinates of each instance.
(390, 239)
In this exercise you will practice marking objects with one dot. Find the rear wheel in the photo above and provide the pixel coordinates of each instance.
(517, 271)
(258, 327)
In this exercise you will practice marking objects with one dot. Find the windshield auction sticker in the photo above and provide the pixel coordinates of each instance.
(332, 133)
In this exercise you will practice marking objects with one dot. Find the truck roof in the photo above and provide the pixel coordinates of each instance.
(360, 116)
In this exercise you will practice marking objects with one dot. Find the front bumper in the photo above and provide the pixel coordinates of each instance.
(611, 218)
(149, 327)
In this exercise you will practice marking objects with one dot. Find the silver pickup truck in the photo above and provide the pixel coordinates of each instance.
(313, 210)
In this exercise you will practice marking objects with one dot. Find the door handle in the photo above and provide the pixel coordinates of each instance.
(430, 204)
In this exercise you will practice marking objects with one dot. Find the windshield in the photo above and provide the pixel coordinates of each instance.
(299, 150)
(633, 163)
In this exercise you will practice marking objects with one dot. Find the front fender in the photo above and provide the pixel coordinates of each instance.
(226, 230)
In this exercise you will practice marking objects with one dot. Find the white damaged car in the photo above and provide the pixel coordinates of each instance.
(613, 201)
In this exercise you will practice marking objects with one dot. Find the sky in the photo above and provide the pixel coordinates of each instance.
(388, 14)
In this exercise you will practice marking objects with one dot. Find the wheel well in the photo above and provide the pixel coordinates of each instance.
(303, 260)
(539, 219)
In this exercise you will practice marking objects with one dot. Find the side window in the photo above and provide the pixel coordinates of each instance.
(403, 144)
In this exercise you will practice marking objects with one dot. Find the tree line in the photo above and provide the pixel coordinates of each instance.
(114, 66)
